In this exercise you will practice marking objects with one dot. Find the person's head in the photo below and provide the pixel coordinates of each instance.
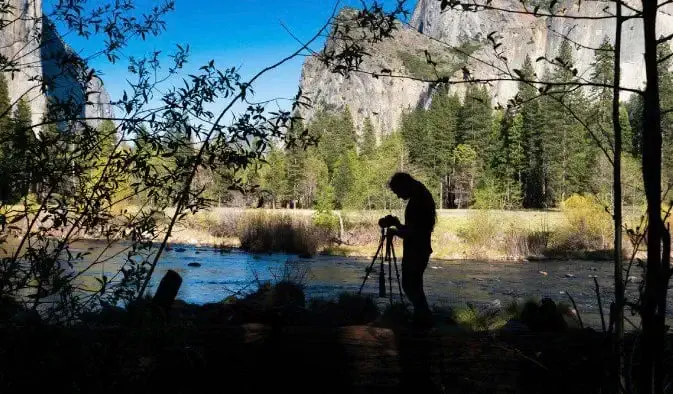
(403, 185)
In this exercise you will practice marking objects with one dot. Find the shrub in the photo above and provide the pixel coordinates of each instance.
(589, 226)
(519, 242)
(480, 231)
(264, 232)
(473, 319)
(221, 223)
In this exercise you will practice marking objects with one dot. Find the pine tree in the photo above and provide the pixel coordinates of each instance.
(296, 166)
(346, 181)
(475, 118)
(508, 162)
(443, 116)
(603, 70)
(570, 152)
(274, 175)
(666, 99)
(18, 158)
(5, 140)
(532, 135)
(634, 109)
(336, 134)
(368, 140)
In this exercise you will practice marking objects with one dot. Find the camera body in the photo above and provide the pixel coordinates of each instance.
(388, 221)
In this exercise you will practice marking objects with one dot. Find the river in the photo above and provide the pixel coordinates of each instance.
(447, 283)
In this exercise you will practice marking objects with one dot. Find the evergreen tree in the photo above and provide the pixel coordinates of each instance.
(274, 176)
(666, 99)
(567, 146)
(296, 166)
(346, 179)
(443, 116)
(475, 117)
(532, 134)
(336, 134)
(508, 162)
(19, 157)
(368, 140)
(5, 140)
(634, 109)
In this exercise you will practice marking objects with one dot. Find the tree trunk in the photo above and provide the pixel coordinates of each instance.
(617, 195)
(652, 312)
(441, 189)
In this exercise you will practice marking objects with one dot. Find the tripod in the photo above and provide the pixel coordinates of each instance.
(391, 260)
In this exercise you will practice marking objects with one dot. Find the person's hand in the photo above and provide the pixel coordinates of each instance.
(393, 220)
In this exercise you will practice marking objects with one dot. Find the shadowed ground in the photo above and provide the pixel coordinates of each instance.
(255, 358)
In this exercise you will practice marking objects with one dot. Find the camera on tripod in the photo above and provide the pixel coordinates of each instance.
(388, 221)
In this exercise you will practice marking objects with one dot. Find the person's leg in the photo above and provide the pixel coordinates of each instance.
(412, 284)
(411, 281)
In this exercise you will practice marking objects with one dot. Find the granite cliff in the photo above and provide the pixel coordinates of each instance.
(30, 41)
(430, 29)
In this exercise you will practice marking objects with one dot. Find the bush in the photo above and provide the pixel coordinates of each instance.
(520, 242)
(221, 223)
(269, 232)
(480, 231)
(485, 320)
(589, 226)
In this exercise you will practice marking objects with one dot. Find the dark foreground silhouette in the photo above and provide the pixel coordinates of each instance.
(272, 341)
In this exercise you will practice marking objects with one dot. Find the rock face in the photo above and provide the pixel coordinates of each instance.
(537, 36)
(31, 41)
(385, 98)
(382, 99)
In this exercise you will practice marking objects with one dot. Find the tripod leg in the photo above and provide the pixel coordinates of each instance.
(397, 272)
(382, 279)
(389, 242)
(371, 266)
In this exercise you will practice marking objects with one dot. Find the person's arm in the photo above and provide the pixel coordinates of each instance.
(399, 229)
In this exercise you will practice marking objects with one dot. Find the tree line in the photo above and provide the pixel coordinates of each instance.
(471, 154)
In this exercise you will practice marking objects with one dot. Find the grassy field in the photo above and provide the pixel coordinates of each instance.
(459, 234)
(578, 228)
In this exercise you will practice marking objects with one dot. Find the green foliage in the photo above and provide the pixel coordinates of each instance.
(481, 229)
(16, 150)
(274, 175)
(589, 226)
(335, 133)
(471, 318)
(368, 140)
(345, 180)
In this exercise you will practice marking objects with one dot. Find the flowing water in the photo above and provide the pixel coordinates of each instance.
(447, 283)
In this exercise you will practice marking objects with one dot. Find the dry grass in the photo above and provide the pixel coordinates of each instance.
(459, 234)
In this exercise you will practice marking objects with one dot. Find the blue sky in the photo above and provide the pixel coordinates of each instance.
(244, 33)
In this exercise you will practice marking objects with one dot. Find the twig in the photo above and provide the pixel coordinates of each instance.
(600, 303)
(577, 311)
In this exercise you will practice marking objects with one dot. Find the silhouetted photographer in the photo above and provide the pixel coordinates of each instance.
(419, 222)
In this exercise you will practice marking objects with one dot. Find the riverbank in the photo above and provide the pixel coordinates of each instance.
(493, 235)
(579, 231)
